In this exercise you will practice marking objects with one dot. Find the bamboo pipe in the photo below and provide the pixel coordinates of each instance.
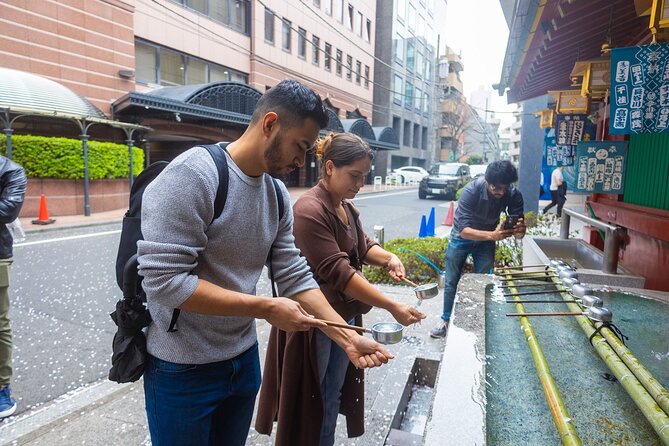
(557, 313)
(563, 421)
(538, 278)
(548, 273)
(529, 293)
(504, 268)
(653, 386)
(657, 418)
(530, 285)
(539, 301)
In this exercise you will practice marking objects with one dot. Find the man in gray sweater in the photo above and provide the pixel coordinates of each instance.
(201, 380)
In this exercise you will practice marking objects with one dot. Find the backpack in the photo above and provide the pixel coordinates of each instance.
(131, 231)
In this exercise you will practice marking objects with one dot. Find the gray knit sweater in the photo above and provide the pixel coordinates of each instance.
(180, 246)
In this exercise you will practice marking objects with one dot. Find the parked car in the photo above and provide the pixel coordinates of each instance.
(477, 170)
(410, 173)
(444, 179)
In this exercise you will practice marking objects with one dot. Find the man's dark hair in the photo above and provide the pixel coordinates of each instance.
(501, 172)
(293, 103)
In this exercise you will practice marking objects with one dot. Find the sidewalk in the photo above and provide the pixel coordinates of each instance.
(101, 218)
(104, 412)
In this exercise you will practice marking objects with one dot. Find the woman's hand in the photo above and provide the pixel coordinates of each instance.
(407, 315)
(395, 268)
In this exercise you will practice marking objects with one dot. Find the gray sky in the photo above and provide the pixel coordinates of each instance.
(477, 29)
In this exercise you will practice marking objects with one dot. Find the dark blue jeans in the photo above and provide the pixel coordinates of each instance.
(458, 249)
(202, 404)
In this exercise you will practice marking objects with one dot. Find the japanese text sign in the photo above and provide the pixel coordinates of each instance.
(569, 130)
(600, 167)
(640, 89)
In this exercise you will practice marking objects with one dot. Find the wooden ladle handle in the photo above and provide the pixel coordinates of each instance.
(346, 326)
(409, 282)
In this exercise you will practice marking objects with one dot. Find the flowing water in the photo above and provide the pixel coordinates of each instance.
(601, 410)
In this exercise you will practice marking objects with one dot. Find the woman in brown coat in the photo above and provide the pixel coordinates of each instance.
(305, 373)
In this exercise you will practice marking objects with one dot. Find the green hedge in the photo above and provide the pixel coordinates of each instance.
(432, 248)
(47, 157)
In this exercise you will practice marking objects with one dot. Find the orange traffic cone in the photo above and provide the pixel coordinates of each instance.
(43, 218)
(449, 217)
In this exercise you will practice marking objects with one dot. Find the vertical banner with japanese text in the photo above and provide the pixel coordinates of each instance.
(569, 131)
(640, 89)
(600, 167)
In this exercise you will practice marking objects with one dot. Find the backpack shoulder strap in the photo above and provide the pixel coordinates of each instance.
(279, 197)
(217, 153)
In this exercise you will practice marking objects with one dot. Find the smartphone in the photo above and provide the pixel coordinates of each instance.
(511, 221)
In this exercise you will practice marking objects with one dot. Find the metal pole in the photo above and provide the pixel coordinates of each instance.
(130, 143)
(8, 135)
(87, 200)
(379, 232)
(611, 242)
(564, 226)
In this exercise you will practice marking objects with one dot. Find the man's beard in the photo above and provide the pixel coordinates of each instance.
(273, 158)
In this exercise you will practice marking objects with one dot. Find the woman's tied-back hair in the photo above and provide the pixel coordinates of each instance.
(293, 103)
(343, 149)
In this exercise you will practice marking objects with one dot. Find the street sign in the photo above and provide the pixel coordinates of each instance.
(640, 89)
(600, 167)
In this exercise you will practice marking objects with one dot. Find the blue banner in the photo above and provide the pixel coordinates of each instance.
(640, 89)
(600, 167)
(569, 130)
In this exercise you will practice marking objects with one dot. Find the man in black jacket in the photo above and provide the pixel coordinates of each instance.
(12, 190)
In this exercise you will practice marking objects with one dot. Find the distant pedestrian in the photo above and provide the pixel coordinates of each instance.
(12, 191)
(558, 191)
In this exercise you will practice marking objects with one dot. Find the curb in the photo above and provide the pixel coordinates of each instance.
(35, 423)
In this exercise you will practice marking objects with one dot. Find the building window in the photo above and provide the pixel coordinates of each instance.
(339, 62)
(349, 67)
(423, 138)
(408, 95)
(397, 90)
(358, 69)
(302, 43)
(327, 7)
(157, 65)
(428, 70)
(316, 50)
(426, 103)
(349, 17)
(269, 26)
(196, 71)
(286, 35)
(317, 3)
(358, 23)
(327, 62)
(340, 11)
(398, 42)
(401, 11)
(368, 30)
(145, 63)
(417, 100)
(366, 76)
(420, 64)
(412, 17)
(172, 68)
(410, 56)
(233, 13)
(406, 133)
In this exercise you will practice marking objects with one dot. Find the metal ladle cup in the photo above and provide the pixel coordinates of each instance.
(427, 291)
(382, 332)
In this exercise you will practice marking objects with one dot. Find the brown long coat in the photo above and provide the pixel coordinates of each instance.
(290, 392)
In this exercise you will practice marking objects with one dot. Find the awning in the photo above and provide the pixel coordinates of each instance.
(547, 38)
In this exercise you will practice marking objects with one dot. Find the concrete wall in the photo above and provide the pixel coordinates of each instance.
(531, 153)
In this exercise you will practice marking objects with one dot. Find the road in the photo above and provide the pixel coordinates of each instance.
(63, 289)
